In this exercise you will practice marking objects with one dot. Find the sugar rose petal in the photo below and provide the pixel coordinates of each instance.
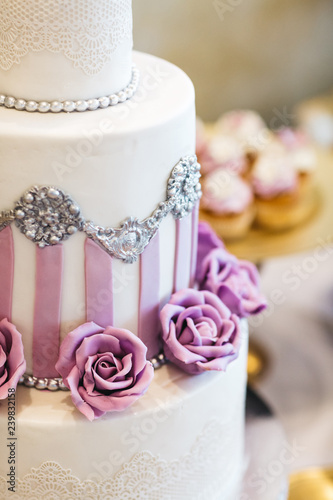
(199, 332)
(105, 369)
(235, 282)
(12, 362)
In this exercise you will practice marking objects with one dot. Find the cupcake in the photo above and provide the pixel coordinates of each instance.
(228, 204)
(228, 154)
(218, 151)
(248, 129)
(302, 154)
(280, 202)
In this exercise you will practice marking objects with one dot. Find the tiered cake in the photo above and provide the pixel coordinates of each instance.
(98, 228)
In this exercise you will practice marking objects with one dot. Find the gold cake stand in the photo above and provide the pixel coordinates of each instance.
(312, 484)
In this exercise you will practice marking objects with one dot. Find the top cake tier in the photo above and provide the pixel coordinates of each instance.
(65, 49)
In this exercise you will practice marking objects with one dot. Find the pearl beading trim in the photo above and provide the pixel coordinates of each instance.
(57, 384)
(70, 106)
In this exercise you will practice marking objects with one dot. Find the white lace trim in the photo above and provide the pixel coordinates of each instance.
(205, 473)
(86, 32)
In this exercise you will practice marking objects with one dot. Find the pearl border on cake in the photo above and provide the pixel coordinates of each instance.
(70, 106)
(57, 384)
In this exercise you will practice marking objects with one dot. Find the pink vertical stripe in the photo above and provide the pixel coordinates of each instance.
(182, 256)
(148, 328)
(46, 336)
(194, 249)
(6, 273)
(99, 284)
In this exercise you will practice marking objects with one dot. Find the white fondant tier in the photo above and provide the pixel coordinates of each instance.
(115, 163)
(183, 440)
(73, 49)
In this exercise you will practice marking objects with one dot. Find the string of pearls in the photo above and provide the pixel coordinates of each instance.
(56, 384)
(70, 106)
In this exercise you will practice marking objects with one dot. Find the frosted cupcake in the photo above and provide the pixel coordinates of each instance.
(248, 129)
(302, 154)
(215, 151)
(228, 204)
(279, 200)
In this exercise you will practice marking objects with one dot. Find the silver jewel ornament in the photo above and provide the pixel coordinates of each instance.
(184, 188)
(125, 243)
(45, 216)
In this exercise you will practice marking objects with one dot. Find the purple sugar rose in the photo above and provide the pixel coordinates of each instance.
(199, 332)
(207, 241)
(105, 368)
(235, 282)
(12, 362)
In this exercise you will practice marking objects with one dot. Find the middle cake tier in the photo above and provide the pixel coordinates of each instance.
(112, 164)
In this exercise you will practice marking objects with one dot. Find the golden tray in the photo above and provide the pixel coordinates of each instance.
(312, 484)
(317, 231)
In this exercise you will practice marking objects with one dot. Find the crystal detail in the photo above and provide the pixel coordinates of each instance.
(47, 216)
(125, 243)
(184, 188)
(43, 215)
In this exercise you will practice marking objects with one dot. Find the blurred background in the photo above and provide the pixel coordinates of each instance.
(269, 56)
(255, 54)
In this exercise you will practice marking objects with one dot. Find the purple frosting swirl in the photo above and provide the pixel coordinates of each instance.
(12, 362)
(199, 332)
(105, 369)
(235, 282)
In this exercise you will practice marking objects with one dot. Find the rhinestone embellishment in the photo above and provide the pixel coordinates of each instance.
(184, 187)
(127, 242)
(47, 216)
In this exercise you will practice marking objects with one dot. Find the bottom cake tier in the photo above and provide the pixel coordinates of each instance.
(183, 440)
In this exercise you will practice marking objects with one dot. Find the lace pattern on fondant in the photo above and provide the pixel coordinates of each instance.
(205, 473)
(87, 33)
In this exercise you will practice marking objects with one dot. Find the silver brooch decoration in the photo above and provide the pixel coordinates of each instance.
(125, 243)
(184, 188)
(47, 216)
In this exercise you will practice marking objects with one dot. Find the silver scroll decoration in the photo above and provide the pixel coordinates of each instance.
(48, 216)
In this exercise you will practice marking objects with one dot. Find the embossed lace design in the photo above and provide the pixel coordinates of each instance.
(86, 32)
(205, 473)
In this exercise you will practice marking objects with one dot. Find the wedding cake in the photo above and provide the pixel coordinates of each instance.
(123, 342)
